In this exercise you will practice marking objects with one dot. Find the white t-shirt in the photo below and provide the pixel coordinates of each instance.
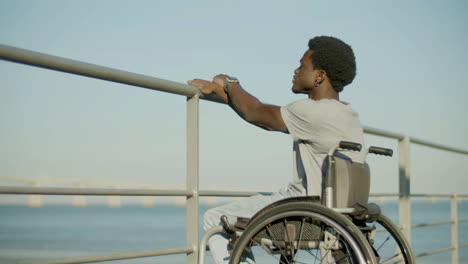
(317, 126)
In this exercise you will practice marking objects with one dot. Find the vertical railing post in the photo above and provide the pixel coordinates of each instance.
(192, 178)
(404, 205)
(454, 228)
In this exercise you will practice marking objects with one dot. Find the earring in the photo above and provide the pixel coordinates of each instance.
(316, 83)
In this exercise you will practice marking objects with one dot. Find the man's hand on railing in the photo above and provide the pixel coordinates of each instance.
(216, 86)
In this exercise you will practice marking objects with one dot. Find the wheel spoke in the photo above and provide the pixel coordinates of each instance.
(273, 256)
(300, 237)
(321, 260)
(393, 259)
(383, 243)
(312, 254)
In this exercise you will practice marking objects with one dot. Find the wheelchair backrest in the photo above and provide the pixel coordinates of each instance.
(351, 184)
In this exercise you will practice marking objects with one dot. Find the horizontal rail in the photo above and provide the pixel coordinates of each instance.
(92, 191)
(438, 223)
(42, 60)
(119, 192)
(230, 193)
(433, 252)
(384, 195)
(437, 146)
(383, 133)
(419, 195)
(168, 192)
(115, 256)
(432, 224)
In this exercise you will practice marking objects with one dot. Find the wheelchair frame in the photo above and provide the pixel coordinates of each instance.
(358, 240)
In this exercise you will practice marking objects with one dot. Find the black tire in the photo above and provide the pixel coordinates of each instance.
(390, 244)
(309, 223)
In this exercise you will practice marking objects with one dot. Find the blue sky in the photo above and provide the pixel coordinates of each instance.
(411, 80)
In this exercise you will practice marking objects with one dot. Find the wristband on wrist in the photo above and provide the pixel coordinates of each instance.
(229, 80)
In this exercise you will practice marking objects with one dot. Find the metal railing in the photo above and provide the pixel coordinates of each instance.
(454, 223)
(192, 192)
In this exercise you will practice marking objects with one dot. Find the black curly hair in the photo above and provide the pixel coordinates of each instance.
(336, 58)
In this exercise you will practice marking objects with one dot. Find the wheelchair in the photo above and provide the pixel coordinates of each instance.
(338, 227)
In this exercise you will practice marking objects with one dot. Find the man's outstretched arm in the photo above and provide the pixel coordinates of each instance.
(246, 105)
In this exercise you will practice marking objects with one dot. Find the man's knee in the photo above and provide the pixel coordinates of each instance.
(211, 218)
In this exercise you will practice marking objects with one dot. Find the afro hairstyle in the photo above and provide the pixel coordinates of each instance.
(336, 58)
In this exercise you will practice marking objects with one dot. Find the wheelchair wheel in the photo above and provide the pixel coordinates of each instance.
(390, 244)
(299, 232)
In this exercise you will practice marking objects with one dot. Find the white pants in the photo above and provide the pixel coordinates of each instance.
(245, 207)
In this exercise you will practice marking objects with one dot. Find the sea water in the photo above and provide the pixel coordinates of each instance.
(59, 231)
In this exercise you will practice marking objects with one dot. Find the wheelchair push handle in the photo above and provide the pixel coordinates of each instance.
(350, 145)
(373, 149)
(381, 151)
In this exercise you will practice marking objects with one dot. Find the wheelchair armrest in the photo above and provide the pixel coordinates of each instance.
(373, 212)
(369, 213)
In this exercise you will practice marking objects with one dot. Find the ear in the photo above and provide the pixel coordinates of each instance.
(321, 76)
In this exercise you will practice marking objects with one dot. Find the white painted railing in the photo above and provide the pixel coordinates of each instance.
(192, 192)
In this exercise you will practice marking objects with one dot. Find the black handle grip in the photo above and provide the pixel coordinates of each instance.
(350, 145)
(381, 151)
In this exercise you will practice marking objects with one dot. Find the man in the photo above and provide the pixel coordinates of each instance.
(315, 124)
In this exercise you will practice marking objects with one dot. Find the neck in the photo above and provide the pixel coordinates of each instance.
(324, 91)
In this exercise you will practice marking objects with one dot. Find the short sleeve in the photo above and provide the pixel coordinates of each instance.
(297, 117)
